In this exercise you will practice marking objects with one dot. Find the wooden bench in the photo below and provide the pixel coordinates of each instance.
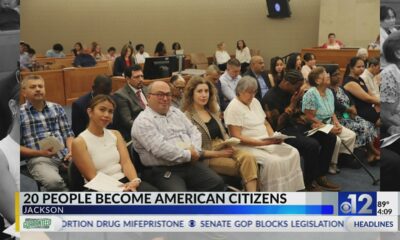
(79, 81)
(341, 57)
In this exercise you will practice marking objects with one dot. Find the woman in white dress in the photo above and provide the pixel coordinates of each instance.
(243, 55)
(98, 149)
(221, 56)
(280, 163)
(9, 146)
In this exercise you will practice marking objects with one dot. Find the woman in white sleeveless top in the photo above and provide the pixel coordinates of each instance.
(98, 149)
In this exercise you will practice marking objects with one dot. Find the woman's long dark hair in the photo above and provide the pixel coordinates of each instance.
(9, 89)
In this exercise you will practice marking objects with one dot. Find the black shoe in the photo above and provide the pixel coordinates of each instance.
(347, 161)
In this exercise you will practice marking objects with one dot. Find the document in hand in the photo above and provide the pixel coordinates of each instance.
(278, 135)
(105, 183)
(51, 142)
(325, 129)
(389, 140)
(227, 143)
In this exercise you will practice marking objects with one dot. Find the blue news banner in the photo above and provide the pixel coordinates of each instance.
(213, 212)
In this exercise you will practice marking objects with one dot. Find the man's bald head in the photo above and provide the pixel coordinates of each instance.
(257, 64)
(159, 97)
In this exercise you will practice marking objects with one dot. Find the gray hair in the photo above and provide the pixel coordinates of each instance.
(246, 83)
(362, 52)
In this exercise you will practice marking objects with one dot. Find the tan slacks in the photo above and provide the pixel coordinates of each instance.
(241, 164)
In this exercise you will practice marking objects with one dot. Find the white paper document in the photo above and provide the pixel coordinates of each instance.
(325, 129)
(51, 142)
(11, 231)
(105, 183)
(389, 140)
(279, 135)
(227, 143)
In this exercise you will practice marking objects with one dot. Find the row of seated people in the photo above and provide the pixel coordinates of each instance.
(128, 104)
(288, 176)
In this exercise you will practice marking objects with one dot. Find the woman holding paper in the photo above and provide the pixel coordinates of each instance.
(319, 108)
(201, 107)
(245, 118)
(98, 149)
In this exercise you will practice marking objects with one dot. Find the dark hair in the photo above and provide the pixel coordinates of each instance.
(391, 46)
(99, 99)
(274, 61)
(308, 56)
(138, 46)
(293, 76)
(374, 61)
(233, 62)
(58, 47)
(125, 48)
(111, 49)
(102, 84)
(9, 89)
(237, 44)
(31, 51)
(331, 34)
(291, 62)
(80, 46)
(128, 71)
(176, 46)
(174, 78)
(384, 13)
(314, 74)
(160, 49)
(94, 45)
(353, 61)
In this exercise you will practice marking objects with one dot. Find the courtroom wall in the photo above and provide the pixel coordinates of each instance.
(198, 25)
(355, 22)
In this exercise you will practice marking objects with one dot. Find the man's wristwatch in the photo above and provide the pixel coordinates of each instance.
(201, 154)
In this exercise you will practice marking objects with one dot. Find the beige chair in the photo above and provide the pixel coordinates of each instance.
(199, 60)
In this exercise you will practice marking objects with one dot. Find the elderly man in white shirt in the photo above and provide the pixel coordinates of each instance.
(170, 146)
(230, 79)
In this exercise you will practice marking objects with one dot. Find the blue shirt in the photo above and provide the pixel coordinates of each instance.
(263, 85)
(51, 121)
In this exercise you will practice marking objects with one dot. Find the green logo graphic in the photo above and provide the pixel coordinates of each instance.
(42, 223)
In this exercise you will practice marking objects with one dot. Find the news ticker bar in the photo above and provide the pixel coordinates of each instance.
(206, 223)
(340, 204)
(213, 212)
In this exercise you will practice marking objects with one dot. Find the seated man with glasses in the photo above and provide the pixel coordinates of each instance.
(170, 146)
(130, 99)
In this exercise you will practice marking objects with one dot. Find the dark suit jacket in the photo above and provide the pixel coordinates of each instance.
(264, 75)
(128, 108)
(80, 119)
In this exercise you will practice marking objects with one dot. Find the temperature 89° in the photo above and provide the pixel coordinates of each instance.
(382, 204)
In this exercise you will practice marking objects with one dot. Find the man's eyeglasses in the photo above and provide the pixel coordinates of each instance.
(161, 95)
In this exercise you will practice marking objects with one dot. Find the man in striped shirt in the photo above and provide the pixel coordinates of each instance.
(170, 146)
(40, 120)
